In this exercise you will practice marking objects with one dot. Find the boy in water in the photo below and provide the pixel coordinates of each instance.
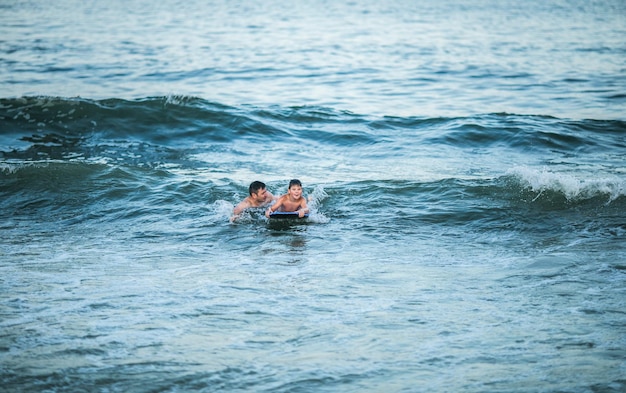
(259, 196)
(290, 202)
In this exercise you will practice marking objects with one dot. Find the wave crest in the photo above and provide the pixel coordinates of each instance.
(571, 187)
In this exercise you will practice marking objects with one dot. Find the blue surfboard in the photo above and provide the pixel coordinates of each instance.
(285, 215)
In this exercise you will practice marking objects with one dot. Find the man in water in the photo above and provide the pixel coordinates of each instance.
(259, 196)
(292, 201)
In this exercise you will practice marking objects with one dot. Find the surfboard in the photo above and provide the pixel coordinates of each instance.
(284, 215)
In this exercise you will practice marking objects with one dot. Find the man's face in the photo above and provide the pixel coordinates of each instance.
(259, 196)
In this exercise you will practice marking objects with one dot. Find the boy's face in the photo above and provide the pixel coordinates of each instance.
(295, 192)
(259, 196)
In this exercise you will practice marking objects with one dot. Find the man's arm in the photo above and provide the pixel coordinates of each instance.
(243, 205)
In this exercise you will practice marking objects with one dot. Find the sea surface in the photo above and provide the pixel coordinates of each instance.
(465, 164)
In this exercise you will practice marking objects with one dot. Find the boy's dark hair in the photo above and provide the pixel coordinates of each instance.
(294, 182)
(255, 186)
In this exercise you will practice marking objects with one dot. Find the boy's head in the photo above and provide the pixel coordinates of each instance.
(295, 182)
(295, 189)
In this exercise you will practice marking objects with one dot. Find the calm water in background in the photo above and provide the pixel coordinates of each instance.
(465, 162)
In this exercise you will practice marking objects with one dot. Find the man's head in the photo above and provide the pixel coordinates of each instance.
(257, 190)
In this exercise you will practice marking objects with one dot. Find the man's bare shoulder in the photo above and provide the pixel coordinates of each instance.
(246, 202)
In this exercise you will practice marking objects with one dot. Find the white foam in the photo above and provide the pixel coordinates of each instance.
(315, 198)
(223, 209)
(12, 167)
(572, 187)
(8, 168)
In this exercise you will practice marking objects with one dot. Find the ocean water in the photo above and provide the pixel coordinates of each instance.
(465, 164)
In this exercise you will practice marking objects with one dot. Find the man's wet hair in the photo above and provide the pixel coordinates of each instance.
(255, 186)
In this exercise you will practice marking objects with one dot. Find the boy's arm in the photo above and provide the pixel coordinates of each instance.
(303, 208)
(274, 207)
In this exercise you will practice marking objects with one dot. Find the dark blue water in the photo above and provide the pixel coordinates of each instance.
(465, 168)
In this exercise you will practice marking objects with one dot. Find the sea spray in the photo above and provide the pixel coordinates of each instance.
(574, 187)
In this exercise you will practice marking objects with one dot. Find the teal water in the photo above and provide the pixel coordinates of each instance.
(406, 58)
(466, 173)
